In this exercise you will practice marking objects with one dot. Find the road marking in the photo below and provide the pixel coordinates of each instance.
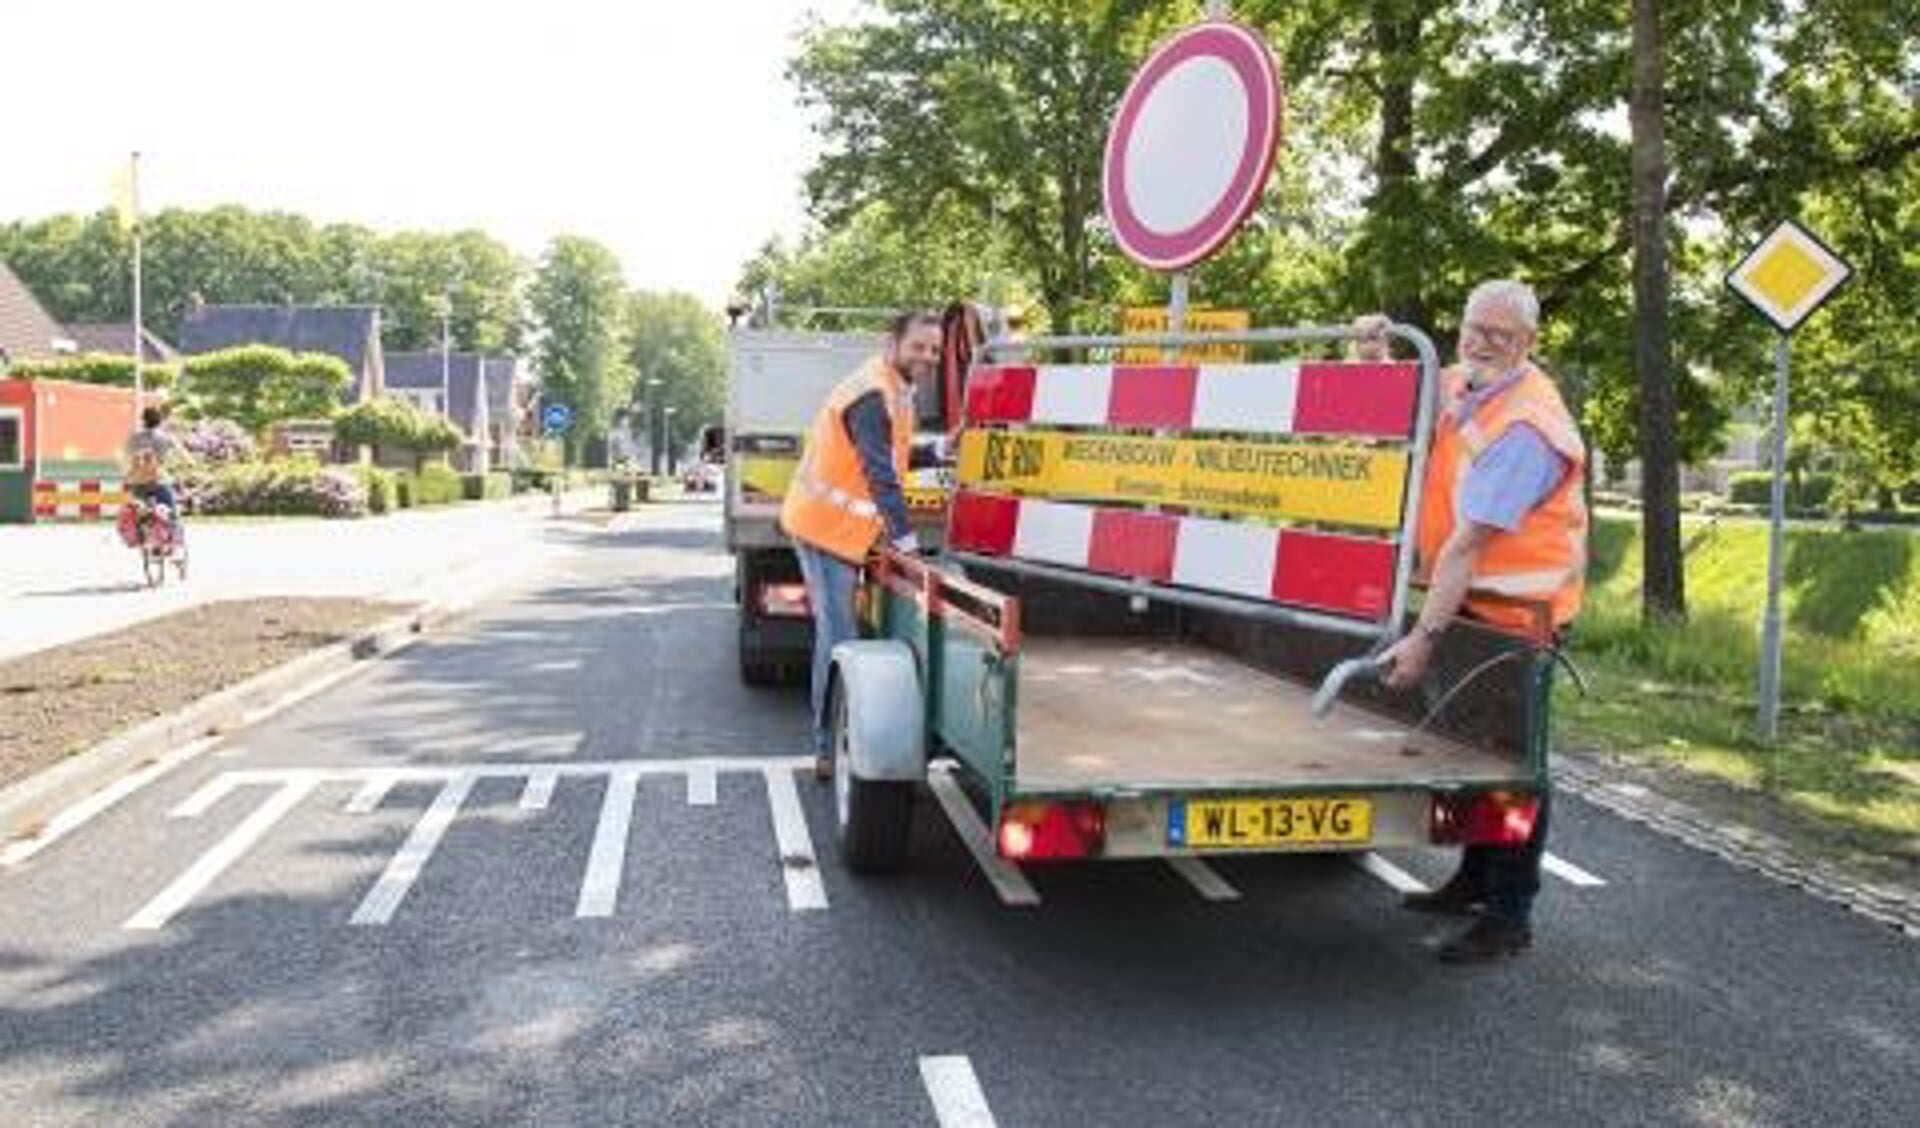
(1204, 878)
(955, 1092)
(214, 862)
(371, 793)
(601, 887)
(73, 817)
(538, 792)
(1011, 885)
(216, 789)
(384, 898)
(703, 786)
(1398, 879)
(794, 842)
(1570, 873)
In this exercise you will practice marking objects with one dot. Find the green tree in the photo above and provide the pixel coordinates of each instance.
(998, 108)
(674, 339)
(579, 299)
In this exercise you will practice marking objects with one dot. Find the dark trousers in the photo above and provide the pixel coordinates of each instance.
(1508, 877)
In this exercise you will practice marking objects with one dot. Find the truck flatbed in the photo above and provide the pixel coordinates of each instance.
(1148, 714)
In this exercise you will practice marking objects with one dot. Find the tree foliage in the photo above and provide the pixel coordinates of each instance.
(580, 300)
(256, 385)
(674, 339)
(95, 368)
(81, 268)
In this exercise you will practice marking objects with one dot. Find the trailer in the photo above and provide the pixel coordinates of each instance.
(1149, 572)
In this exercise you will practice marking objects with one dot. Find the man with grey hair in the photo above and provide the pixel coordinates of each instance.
(1502, 541)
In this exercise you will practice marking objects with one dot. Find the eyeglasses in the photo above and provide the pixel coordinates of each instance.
(1498, 338)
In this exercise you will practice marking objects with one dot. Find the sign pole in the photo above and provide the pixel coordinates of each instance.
(139, 336)
(1770, 641)
(1176, 314)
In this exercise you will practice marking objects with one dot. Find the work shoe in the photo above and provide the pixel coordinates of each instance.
(823, 767)
(1451, 899)
(1486, 940)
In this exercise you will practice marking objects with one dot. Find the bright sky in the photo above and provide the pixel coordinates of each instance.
(665, 129)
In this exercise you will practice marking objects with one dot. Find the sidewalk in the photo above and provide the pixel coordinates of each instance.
(63, 583)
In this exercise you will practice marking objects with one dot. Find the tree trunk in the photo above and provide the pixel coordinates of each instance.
(1663, 593)
(1394, 210)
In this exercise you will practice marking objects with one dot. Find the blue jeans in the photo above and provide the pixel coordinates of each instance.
(830, 586)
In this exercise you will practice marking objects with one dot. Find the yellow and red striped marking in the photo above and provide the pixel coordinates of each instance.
(1342, 575)
(83, 501)
(1342, 399)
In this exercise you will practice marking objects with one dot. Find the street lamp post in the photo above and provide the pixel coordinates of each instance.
(668, 428)
(653, 429)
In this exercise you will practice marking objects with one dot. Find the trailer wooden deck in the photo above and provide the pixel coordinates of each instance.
(1096, 712)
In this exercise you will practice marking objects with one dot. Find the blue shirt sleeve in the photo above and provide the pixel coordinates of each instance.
(1511, 478)
(871, 430)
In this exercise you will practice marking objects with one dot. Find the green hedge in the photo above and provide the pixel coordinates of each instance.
(435, 484)
(486, 487)
(95, 368)
(382, 488)
(1811, 494)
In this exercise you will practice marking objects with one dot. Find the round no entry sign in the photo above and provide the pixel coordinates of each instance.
(1192, 145)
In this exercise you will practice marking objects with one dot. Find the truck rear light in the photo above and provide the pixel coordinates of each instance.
(1488, 818)
(1052, 831)
(789, 600)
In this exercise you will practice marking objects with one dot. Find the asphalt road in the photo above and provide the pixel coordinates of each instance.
(291, 929)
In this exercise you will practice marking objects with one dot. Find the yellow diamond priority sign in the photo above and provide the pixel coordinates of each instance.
(1788, 275)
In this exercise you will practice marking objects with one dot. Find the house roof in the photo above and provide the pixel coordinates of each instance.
(114, 336)
(27, 330)
(348, 332)
(423, 370)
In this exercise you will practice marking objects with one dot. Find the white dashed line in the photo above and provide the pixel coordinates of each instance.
(384, 898)
(1396, 878)
(1204, 879)
(955, 1092)
(538, 792)
(1012, 885)
(703, 788)
(1570, 873)
(791, 838)
(224, 853)
(601, 887)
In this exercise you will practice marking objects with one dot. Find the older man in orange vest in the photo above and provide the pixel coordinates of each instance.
(1503, 534)
(846, 496)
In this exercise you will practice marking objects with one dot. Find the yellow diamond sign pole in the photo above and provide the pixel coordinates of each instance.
(1786, 278)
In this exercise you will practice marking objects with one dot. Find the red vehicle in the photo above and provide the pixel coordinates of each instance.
(153, 530)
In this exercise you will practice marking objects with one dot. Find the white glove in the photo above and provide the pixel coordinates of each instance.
(909, 544)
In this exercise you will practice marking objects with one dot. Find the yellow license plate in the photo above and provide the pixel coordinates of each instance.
(1226, 824)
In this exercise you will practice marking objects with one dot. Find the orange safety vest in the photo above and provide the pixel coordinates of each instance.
(1544, 561)
(828, 504)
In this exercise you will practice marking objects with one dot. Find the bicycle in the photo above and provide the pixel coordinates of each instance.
(150, 528)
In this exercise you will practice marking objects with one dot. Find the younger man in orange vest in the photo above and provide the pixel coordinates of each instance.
(846, 494)
(1502, 514)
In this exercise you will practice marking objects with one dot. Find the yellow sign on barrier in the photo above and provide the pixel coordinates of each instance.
(1337, 483)
(1143, 321)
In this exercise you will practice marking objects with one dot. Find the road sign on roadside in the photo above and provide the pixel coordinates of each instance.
(556, 418)
(1192, 144)
(1786, 278)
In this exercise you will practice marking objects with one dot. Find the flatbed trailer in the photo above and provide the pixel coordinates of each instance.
(1147, 689)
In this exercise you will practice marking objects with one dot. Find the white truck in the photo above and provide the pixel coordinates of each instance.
(776, 382)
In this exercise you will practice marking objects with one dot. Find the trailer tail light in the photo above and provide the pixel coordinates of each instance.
(1489, 818)
(1052, 831)
(786, 600)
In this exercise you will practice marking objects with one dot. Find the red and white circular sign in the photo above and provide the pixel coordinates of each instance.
(1192, 145)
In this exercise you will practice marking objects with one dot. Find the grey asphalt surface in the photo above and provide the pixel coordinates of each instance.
(1684, 991)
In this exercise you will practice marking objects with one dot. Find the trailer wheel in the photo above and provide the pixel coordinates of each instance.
(873, 819)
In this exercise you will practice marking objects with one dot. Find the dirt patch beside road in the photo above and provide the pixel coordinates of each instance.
(57, 702)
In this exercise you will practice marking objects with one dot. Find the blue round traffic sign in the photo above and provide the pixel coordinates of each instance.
(557, 417)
